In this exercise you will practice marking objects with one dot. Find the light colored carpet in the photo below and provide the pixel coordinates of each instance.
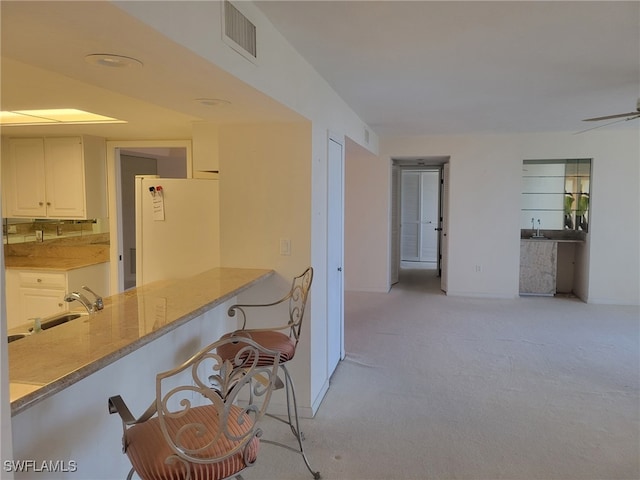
(437, 387)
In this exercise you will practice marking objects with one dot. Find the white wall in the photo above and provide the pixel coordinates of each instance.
(485, 179)
(365, 205)
(265, 196)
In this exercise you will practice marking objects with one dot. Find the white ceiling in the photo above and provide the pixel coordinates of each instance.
(415, 67)
(43, 49)
(421, 67)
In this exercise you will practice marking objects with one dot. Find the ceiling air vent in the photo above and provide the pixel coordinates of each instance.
(239, 32)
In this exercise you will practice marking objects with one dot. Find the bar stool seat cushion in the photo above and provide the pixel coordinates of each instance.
(269, 339)
(148, 449)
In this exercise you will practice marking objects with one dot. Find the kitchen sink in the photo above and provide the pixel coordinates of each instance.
(58, 320)
(47, 324)
(16, 336)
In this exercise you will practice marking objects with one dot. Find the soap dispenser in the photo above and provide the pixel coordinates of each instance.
(37, 325)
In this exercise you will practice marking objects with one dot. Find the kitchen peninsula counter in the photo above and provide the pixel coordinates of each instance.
(43, 364)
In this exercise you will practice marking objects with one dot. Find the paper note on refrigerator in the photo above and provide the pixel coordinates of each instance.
(158, 207)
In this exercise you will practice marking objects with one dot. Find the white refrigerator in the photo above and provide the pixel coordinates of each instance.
(177, 227)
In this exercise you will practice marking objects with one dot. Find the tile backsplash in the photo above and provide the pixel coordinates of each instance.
(34, 230)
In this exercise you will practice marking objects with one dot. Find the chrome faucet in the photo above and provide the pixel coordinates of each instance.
(70, 297)
(538, 231)
(98, 304)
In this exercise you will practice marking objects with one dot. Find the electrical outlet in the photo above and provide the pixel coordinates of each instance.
(285, 246)
(478, 268)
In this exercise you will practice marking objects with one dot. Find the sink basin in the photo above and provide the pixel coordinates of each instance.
(16, 336)
(59, 320)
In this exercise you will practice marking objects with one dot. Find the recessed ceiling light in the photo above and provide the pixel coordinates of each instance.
(56, 116)
(113, 61)
(212, 102)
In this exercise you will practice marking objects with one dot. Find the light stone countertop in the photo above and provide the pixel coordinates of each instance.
(50, 263)
(57, 255)
(43, 364)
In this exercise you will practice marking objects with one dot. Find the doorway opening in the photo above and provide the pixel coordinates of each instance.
(125, 160)
(418, 221)
(164, 162)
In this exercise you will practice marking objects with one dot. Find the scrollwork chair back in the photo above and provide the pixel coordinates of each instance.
(204, 420)
(296, 298)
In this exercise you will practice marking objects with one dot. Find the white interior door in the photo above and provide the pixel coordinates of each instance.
(395, 224)
(444, 239)
(429, 216)
(335, 253)
(410, 217)
(420, 216)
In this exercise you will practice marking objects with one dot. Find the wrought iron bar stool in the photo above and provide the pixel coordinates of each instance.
(203, 423)
(283, 339)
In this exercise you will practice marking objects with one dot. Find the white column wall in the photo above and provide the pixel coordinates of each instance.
(366, 205)
(265, 196)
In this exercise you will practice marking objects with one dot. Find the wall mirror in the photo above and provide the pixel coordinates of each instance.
(25, 230)
(555, 194)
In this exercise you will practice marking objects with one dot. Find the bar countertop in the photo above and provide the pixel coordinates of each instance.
(42, 364)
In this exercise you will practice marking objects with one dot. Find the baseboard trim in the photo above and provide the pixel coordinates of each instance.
(500, 296)
(315, 405)
(610, 301)
(367, 290)
(280, 409)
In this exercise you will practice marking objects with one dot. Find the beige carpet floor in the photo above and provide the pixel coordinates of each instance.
(437, 387)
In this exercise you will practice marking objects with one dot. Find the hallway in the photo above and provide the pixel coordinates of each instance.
(412, 276)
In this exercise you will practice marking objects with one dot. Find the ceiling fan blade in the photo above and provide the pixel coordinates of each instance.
(637, 115)
(608, 117)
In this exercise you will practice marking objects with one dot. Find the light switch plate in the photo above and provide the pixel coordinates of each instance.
(285, 246)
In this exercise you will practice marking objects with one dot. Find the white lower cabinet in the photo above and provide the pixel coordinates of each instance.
(37, 293)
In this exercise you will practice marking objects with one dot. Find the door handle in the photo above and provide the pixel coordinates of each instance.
(339, 269)
(438, 229)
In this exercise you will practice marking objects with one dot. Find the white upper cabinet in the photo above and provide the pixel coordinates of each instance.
(56, 177)
(206, 161)
(24, 179)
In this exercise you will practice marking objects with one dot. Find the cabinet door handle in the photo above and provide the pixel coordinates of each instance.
(39, 280)
(48, 204)
(40, 203)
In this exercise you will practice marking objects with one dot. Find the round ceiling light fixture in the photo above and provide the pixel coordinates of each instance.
(112, 61)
